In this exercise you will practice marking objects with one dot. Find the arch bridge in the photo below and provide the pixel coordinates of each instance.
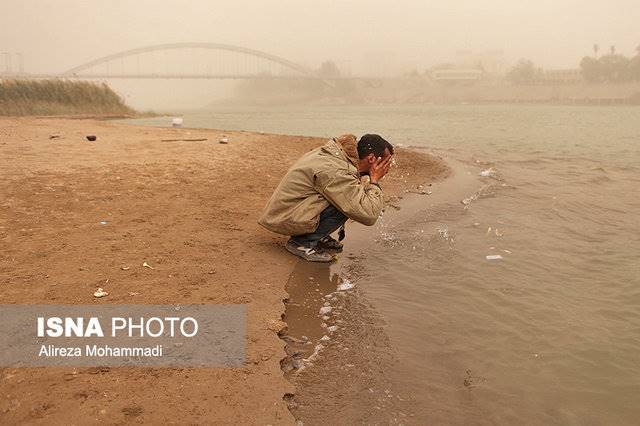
(190, 61)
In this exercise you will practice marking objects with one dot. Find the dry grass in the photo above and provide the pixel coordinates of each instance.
(59, 97)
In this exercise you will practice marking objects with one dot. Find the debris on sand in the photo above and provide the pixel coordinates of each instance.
(146, 265)
(494, 257)
(100, 293)
(224, 140)
(419, 191)
(54, 136)
(184, 140)
(91, 138)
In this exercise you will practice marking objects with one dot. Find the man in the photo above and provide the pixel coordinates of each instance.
(323, 189)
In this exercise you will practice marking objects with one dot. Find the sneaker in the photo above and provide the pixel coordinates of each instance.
(329, 243)
(310, 254)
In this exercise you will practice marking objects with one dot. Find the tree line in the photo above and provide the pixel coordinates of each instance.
(611, 67)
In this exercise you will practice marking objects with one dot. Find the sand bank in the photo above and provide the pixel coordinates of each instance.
(73, 213)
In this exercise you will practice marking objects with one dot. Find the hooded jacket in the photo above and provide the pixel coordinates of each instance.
(328, 174)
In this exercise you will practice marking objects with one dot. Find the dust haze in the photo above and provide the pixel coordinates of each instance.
(362, 38)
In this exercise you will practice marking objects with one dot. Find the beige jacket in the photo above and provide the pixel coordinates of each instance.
(328, 174)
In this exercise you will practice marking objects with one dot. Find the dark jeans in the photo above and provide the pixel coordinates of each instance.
(330, 220)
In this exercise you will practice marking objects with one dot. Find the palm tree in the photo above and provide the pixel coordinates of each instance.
(596, 49)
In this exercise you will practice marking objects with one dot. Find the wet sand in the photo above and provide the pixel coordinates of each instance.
(189, 209)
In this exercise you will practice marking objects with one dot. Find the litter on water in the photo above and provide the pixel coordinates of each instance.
(345, 285)
(488, 172)
(325, 310)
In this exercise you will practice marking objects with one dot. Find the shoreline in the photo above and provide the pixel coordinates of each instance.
(342, 361)
(189, 208)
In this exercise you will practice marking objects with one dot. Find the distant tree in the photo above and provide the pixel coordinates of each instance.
(612, 68)
(634, 67)
(591, 70)
(615, 68)
(329, 69)
(524, 72)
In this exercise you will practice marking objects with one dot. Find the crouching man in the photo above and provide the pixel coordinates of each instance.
(323, 189)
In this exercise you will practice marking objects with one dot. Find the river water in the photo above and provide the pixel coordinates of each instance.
(549, 333)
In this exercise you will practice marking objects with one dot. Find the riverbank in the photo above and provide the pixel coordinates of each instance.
(77, 215)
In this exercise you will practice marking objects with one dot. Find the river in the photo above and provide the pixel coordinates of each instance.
(549, 333)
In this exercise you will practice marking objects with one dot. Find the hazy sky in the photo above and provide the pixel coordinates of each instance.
(58, 34)
(364, 37)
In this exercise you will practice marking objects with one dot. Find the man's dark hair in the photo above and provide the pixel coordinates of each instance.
(373, 144)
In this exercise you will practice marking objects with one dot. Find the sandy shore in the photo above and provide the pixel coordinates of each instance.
(189, 209)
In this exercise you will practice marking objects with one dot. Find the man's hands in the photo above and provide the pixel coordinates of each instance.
(379, 168)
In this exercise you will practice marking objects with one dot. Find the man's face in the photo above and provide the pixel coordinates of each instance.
(365, 164)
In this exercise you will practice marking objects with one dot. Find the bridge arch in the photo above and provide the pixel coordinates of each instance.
(172, 46)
